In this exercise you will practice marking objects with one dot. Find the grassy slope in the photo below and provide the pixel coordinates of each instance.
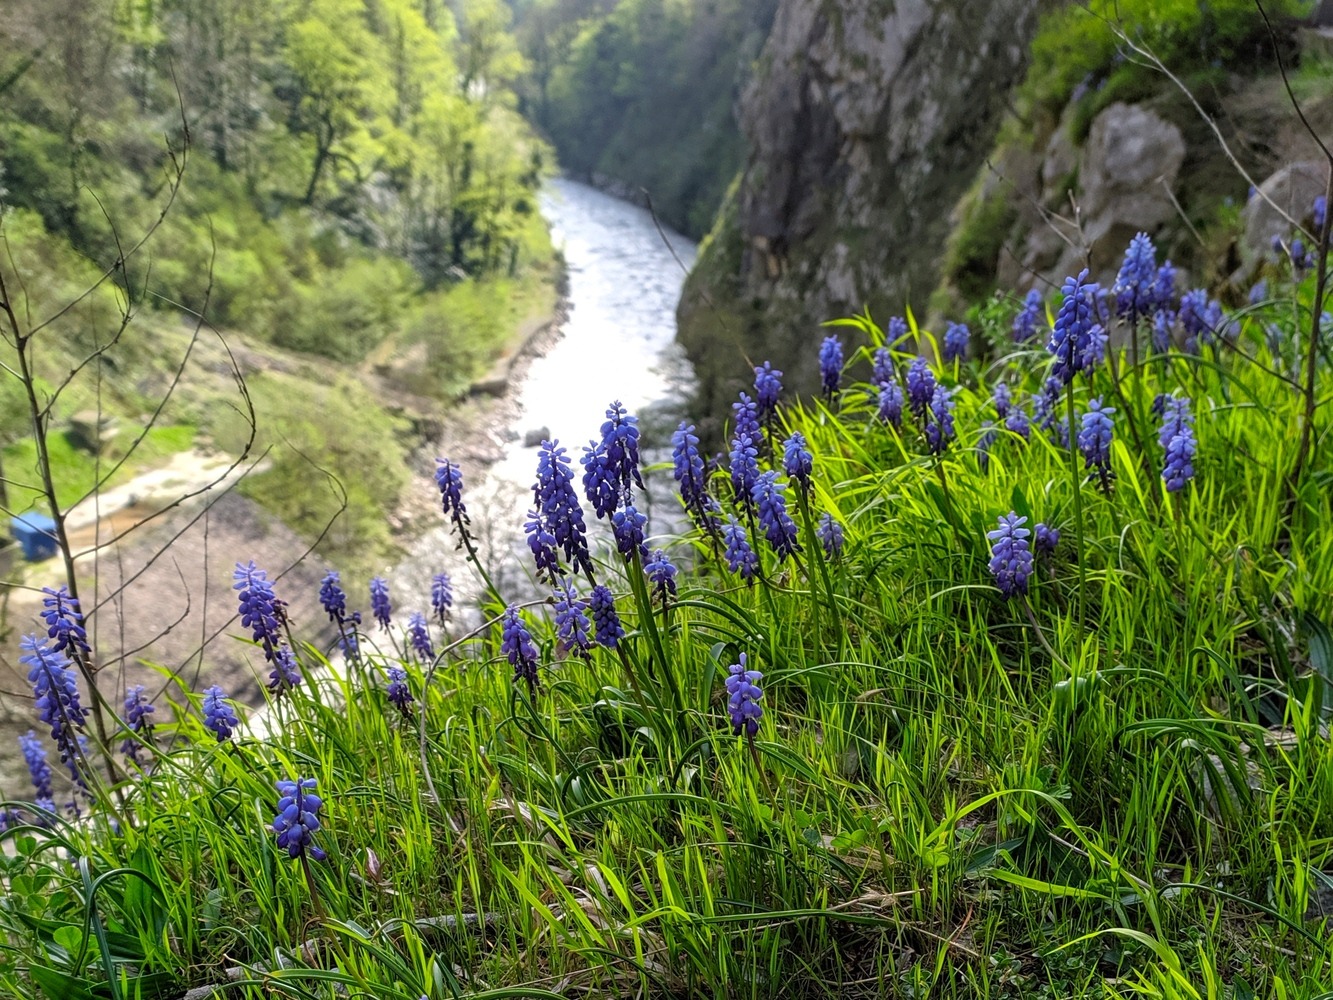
(950, 794)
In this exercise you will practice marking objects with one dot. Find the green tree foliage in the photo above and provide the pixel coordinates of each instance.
(328, 136)
(643, 93)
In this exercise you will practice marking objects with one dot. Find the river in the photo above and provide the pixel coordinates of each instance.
(617, 343)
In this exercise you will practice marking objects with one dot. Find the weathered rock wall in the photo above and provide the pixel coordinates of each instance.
(866, 120)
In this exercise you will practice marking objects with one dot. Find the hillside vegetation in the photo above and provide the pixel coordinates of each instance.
(638, 95)
(343, 179)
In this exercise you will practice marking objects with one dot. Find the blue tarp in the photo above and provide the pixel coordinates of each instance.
(36, 534)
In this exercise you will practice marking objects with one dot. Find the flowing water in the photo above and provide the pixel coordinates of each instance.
(618, 343)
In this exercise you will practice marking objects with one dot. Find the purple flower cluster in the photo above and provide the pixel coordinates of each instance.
(1074, 340)
(691, 478)
(449, 478)
(441, 596)
(297, 820)
(1094, 440)
(559, 514)
(830, 365)
(611, 465)
(380, 605)
(34, 755)
(219, 716)
(939, 429)
(263, 614)
(418, 636)
(797, 461)
(956, 339)
(743, 697)
(138, 710)
(606, 626)
(891, 402)
(1176, 436)
(1135, 286)
(920, 388)
(740, 557)
(1046, 539)
(572, 628)
(745, 441)
(1011, 559)
(627, 526)
(767, 389)
(661, 574)
(1025, 323)
(516, 643)
(771, 504)
(57, 694)
(830, 536)
(397, 691)
(64, 622)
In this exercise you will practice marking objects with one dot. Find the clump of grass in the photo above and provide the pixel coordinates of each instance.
(1112, 777)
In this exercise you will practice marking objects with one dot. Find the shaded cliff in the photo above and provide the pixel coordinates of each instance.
(865, 120)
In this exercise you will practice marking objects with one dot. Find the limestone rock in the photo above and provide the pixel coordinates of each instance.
(866, 120)
(1291, 192)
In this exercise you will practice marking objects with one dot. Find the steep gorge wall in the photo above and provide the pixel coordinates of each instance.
(866, 120)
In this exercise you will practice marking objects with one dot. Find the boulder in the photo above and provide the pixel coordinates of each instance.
(1288, 193)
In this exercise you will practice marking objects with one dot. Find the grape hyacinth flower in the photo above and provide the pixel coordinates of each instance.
(331, 597)
(441, 596)
(557, 505)
(830, 365)
(743, 697)
(956, 339)
(989, 435)
(64, 622)
(1046, 539)
(380, 606)
(1072, 335)
(627, 527)
(542, 544)
(1164, 288)
(662, 575)
(830, 536)
(605, 621)
(1025, 323)
(897, 331)
(611, 465)
(1018, 422)
(740, 557)
(56, 692)
(1094, 440)
(1163, 325)
(397, 691)
(1258, 292)
(297, 820)
(767, 389)
(691, 477)
(920, 388)
(449, 478)
(516, 643)
(418, 635)
(260, 610)
(778, 527)
(797, 461)
(939, 429)
(1199, 318)
(573, 631)
(1176, 436)
(882, 368)
(219, 716)
(34, 755)
(1011, 559)
(1319, 213)
(1134, 288)
(285, 673)
(137, 721)
(891, 402)
(1003, 400)
(744, 458)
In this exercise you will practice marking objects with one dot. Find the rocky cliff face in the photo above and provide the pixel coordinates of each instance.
(866, 121)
